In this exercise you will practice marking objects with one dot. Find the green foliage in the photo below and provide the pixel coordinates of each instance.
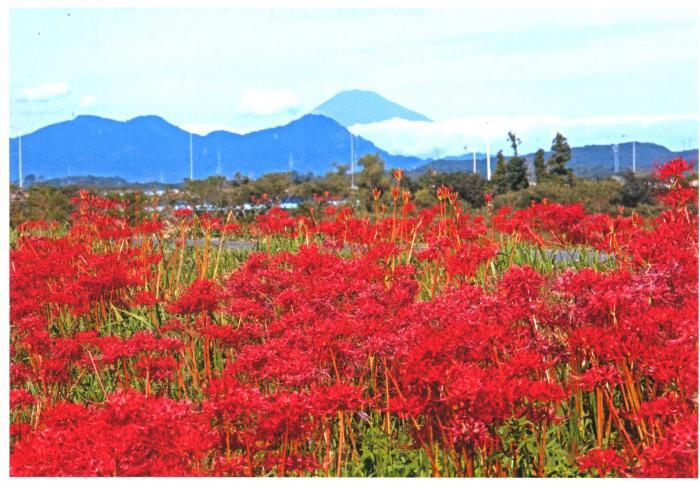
(516, 168)
(51, 201)
(41, 202)
(510, 175)
(373, 173)
(470, 187)
(561, 155)
(635, 190)
(539, 165)
(499, 174)
(381, 455)
(596, 195)
(209, 190)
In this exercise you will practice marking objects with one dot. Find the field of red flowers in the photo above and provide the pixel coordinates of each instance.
(539, 342)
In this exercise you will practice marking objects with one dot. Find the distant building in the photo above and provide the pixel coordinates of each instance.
(291, 203)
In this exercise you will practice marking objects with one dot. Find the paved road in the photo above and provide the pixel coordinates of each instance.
(559, 256)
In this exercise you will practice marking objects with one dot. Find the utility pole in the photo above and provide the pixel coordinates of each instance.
(19, 139)
(616, 160)
(466, 150)
(473, 161)
(634, 155)
(191, 165)
(352, 162)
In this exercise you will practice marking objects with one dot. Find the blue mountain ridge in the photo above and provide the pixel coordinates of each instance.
(149, 148)
(592, 160)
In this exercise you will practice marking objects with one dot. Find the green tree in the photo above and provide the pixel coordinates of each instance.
(540, 165)
(275, 185)
(516, 168)
(41, 202)
(561, 155)
(499, 174)
(635, 190)
(210, 190)
(373, 172)
(336, 182)
(470, 187)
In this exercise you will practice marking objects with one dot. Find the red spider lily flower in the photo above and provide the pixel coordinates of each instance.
(145, 298)
(672, 170)
(118, 438)
(601, 462)
(20, 398)
(185, 212)
(202, 296)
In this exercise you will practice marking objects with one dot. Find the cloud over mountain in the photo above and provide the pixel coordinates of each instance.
(450, 136)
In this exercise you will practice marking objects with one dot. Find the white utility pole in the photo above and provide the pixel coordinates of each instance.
(616, 159)
(191, 165)
(352, 162)
(473, 162)
(19, 139)
(634, 154)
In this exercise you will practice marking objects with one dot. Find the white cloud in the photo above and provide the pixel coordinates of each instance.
(268, 101)
(87, 101)
(449, 137)
(45, 92)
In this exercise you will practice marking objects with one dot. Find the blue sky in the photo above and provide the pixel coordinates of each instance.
(597, 74)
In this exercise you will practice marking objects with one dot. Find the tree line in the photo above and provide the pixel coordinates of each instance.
(513, 180)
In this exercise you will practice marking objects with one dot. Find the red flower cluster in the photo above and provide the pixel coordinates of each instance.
(458, 335)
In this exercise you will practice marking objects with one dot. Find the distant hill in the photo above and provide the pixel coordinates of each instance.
(364, 107)
(586, 161)
(597, 160)
(99, 182)
(151, 149)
